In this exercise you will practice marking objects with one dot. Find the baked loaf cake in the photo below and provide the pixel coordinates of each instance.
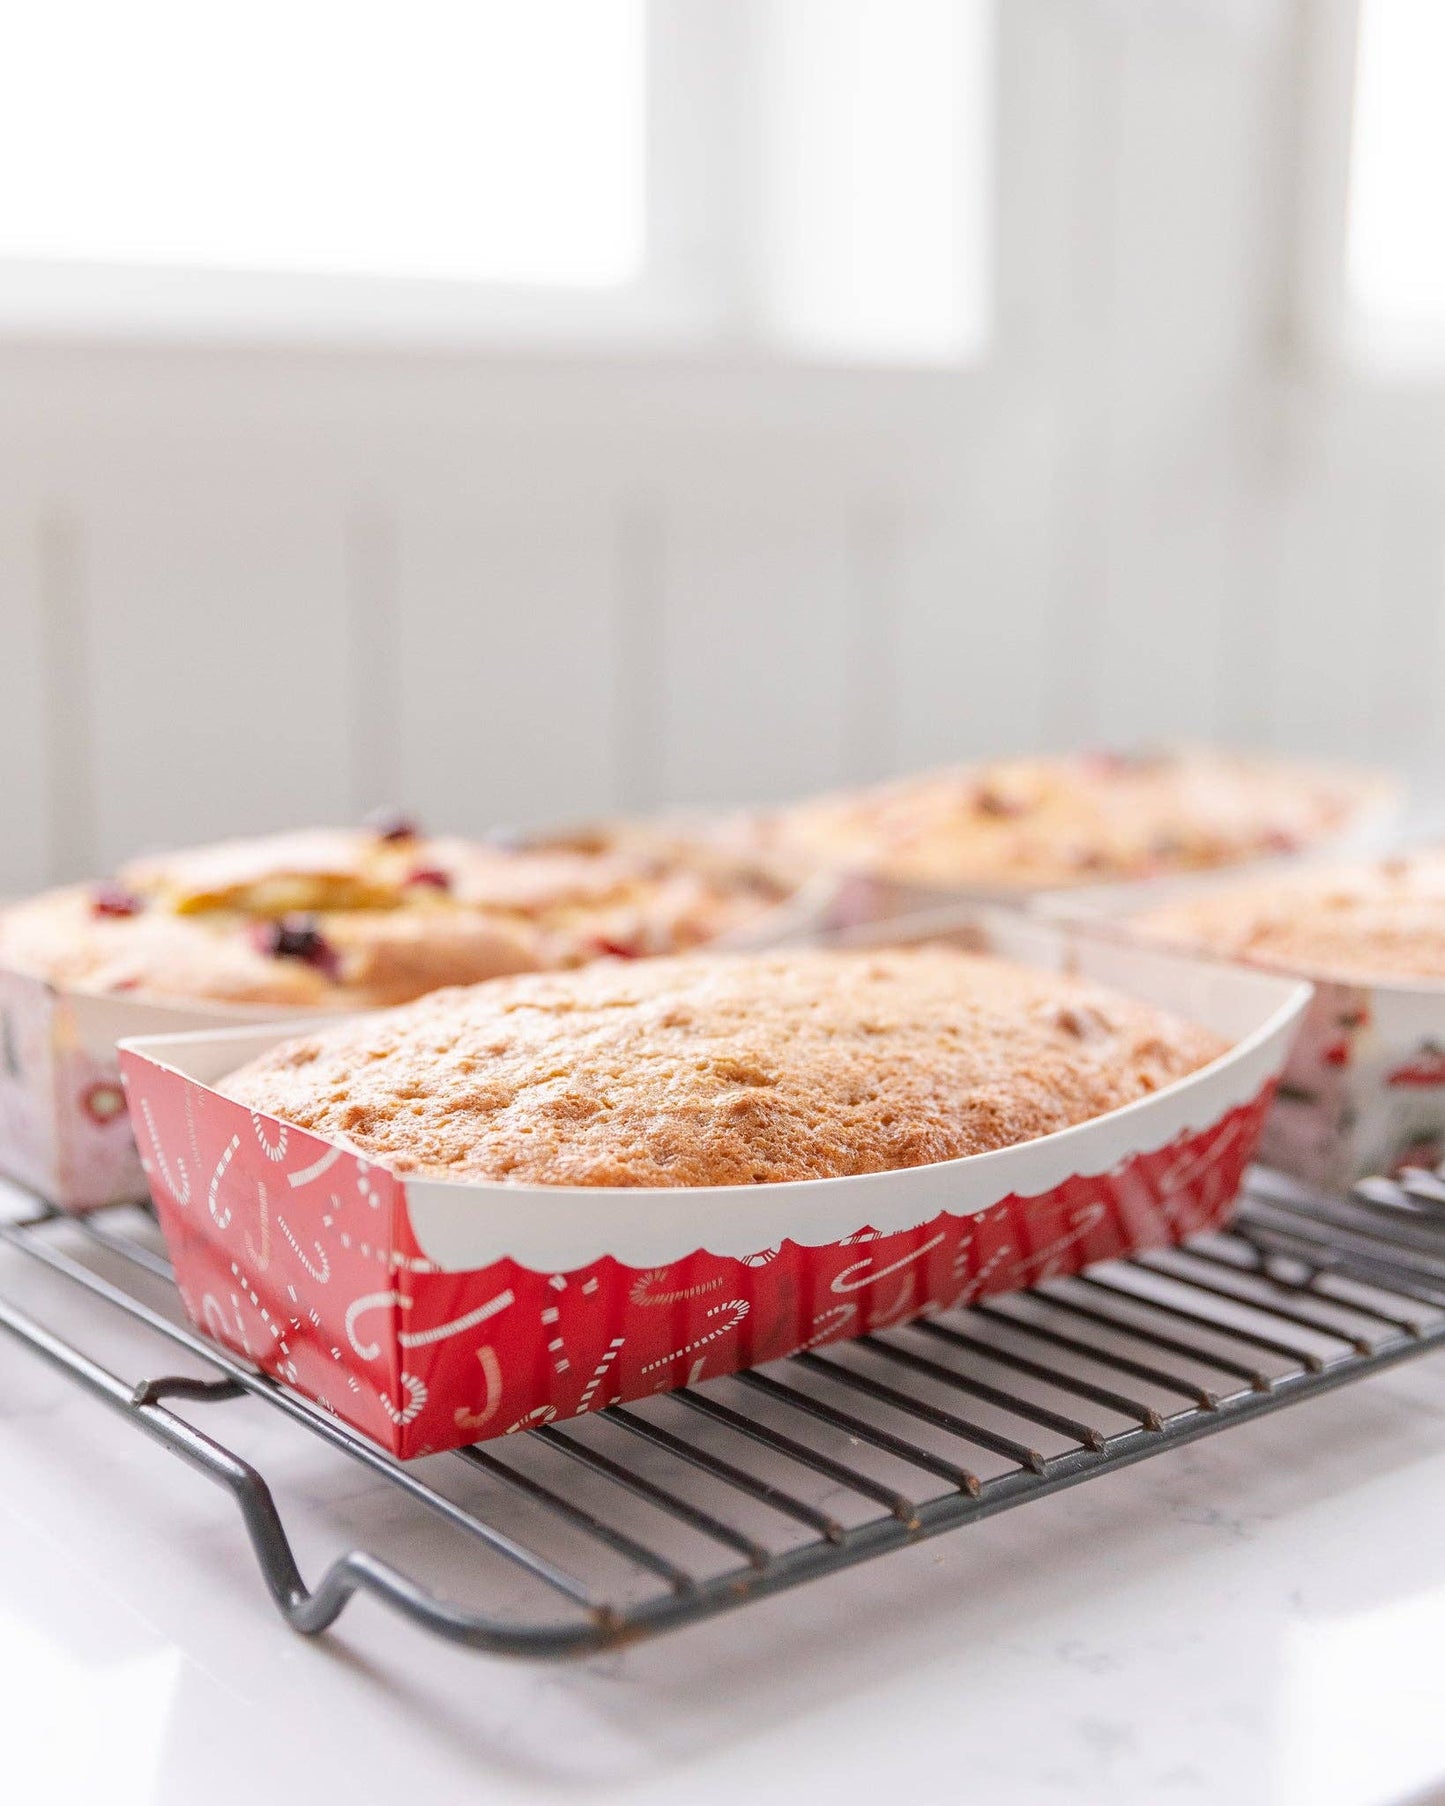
(343, 918)
(1363, 922)
(1087, 818)
(724, 1070)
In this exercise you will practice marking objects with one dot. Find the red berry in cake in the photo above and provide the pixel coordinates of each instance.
(391, 824)
(616, 949)
(432, 876)
(298, 937)
(989, 801)
(110, 899)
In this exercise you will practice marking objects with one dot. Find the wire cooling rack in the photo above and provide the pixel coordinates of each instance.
(582, 1536)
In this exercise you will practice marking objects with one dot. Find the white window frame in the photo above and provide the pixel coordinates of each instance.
(699, 290)
(1333, 341)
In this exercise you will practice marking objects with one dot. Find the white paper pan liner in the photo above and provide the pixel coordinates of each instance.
(463, 1225)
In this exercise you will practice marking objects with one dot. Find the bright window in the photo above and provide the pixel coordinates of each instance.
(1396, 258)
(808, 175)
(470, 140)
(876, 157)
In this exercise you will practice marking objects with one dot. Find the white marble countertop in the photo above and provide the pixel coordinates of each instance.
(1257, 1617)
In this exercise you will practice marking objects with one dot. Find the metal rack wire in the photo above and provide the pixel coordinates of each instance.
(585, 1535)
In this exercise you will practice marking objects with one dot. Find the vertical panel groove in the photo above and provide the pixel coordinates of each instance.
(374, 633)
(641, 651)
(69, 700)
(870, 707)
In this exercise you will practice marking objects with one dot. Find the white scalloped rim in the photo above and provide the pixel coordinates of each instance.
(558, 1228)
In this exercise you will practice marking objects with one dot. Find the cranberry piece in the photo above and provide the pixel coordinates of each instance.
(391, 824)
(432, 876)
(617, 949)
(298, 937)
(993, 802)
(111, 899)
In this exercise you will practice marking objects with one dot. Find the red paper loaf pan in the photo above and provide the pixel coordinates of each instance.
(430, 1314)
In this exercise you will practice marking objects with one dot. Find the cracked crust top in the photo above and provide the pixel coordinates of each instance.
(724, 1070)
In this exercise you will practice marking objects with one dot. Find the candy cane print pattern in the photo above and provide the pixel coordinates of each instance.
(970, 1287)
(1195, 1159)
(535, 1418)
(973, 1287)
(373, 1301)
(1043, 1263)
(599, 1373)
(829, 1325)
(180, 1189)
(1188, 1205)
(320, 1274)
(550, 1319)
(214, 1319)
(221, 1218)
(902, 1306)
(844, 1282)
(642, 1288)
(999, 1214)
(475, 1421)
(273, 1150)
(261, 1257)
(272, 1326)
(424, 1337)
(364, 1185)
(306, 1174)
(416, 1397)
(556, 1345)
(737, 1306)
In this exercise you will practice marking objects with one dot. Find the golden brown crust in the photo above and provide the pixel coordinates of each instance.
(1034, 823)
(1365, 922)
(724, 1070)
(390, 918)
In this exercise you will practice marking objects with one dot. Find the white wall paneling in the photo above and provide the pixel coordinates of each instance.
(506, 644)
(241, 588)
(756, 634)
(28, 660)
(218, 634)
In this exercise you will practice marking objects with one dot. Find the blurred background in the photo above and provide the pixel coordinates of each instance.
(521, 412)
